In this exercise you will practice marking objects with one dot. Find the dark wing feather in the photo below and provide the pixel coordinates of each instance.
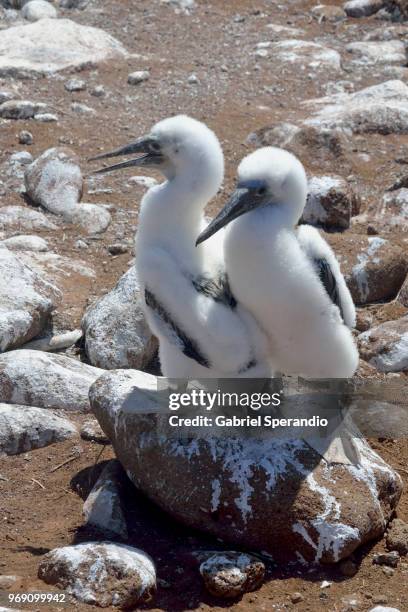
(329, 282)
(187, 345)
(217, 288)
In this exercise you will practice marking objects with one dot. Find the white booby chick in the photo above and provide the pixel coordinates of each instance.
(188, 304)
(288, 279)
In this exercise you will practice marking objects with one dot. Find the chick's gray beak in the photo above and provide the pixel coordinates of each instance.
(142, 145)
(240, 202)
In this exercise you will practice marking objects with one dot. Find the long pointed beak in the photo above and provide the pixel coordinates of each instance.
(240, 202)
(142, 145)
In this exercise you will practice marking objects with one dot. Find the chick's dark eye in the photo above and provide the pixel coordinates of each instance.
(261, 191)
(155, 146)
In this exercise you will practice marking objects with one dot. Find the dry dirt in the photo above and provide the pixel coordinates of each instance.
(248, 95)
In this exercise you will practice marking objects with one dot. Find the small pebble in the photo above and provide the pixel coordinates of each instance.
(75, 85)
(391, 559)
(83, 109)
(296, 597)
(45, 117)
(25, 137)
(22, 157)
(98, 91)
(118, 249)
(193, 79)
(137, 77)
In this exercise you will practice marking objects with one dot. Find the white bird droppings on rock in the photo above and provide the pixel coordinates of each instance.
(377, 53)
(45, 380)
(38, 9)
(384, 609)
(137, 77)
(21, 157)
(45, 117)
(92, 431)
(82, 109)
(50, 45)
(309, 55)
(101, 573)
(24, 428)
(330, 202)
(392, 212)
(103, 506)
(75, 85)
(231, 574)
(116, 332)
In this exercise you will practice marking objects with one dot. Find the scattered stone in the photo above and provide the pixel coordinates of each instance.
(103, 506)
(38, 9)
(138, 77)
(386, 346)
(34, 378)
(45, 117)
(392, 212)
(309, 55)
(82, 109)
(101, 573)
(374, 268)
(383, 609)
(193, 79)
(296, 597)
(391, 32)
(330, 202)
(226, 479)
(25, 243)
(6, 582)
(19, 109)
(50, 45)
(115, 329)
(55, 181)
(231, 574)
(351, 602)
(324, 12)
(381, 108)
(21, 157)
(92, 218)
(391, 559)
(54, 343)
(98, 91)
(92, 431)
(363, 8)
(118, 248)
(5, 96)
(23, 219)
(397, 536)
(24, 428)
(75, 85)
(26, 302)
(74, 4)
(348, 568)
(25, 138)
(284, 30)
(377, 53)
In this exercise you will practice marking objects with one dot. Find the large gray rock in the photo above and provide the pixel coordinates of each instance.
(276, 496)
(306, 54)
(374, 268)
(24, 219)
(377, 53)
(26, 301)
(115, 329)
(20, 109)
(392, 211)
(55, 181)
(25, 243)
(363, 8)
(33, 378)
(24, 428)
(381, 108)
(103, 507)
(386, 346)
(50, 45)
(101, 573)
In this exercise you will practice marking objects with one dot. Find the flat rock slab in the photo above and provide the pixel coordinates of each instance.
(115, 329)
(33, 378)
(377, 53)
(50, 45)
(24, 428)
(373, 267)
(101, 573)
(309, 55)
(386, 346)
(381, 108)
(271, 495)
(26, 301)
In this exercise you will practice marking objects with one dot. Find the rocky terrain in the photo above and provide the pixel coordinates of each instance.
(329, 83)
